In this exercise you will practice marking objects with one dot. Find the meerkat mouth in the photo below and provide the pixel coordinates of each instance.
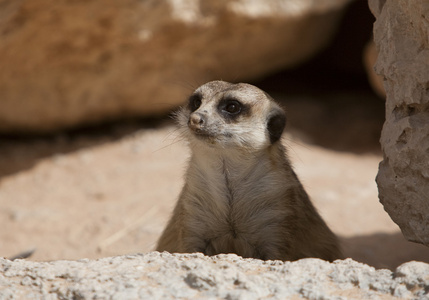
(211, 138)
(202, 134)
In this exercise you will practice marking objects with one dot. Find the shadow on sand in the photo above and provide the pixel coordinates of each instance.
(382, 250)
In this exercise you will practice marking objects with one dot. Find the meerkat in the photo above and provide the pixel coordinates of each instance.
(241, 194)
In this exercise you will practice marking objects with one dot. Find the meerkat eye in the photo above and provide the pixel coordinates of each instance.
(194, 102)
(232, 107)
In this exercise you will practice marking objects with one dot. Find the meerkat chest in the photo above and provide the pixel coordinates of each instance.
(232, 214)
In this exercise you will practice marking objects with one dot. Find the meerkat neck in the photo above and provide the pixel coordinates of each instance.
(239, 164)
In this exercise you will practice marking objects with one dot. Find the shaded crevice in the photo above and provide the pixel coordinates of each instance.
(404, 111)
(408, 110)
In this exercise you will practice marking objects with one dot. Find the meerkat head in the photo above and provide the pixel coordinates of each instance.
(225, 115)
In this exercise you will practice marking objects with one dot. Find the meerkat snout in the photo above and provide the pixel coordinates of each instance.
(196, 121)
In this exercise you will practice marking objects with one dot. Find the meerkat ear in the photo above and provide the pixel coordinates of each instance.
(276, 124)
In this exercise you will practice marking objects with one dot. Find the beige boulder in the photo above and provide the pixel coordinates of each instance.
(369, 58)
(70, 63)
(401, 36)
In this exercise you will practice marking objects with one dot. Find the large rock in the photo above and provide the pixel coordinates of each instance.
(194, 276)
(401, 36)
(69, 63)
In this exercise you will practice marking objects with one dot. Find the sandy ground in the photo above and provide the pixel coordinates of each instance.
(110, 191)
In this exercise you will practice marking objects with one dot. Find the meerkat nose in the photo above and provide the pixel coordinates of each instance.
(196, 121)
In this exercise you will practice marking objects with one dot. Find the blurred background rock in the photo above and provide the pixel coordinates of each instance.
(67, 64)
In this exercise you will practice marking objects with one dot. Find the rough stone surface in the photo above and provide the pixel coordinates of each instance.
(401, 36)
(69, 63)
(194, 276)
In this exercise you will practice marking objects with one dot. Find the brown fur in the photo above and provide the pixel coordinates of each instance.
(241, 195)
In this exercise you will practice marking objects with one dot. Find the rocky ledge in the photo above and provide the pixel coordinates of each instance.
(166, 276)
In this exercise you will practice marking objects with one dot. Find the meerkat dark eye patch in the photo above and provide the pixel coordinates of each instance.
(231, 108)
(276, 124)
(194, 102)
